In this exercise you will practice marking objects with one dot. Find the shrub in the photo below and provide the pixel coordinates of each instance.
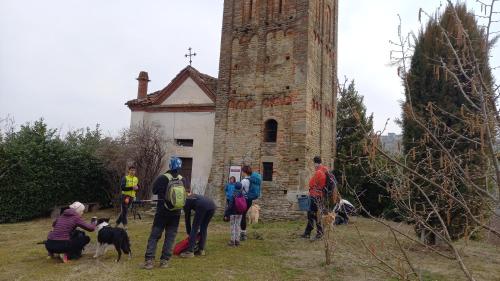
(40, 170)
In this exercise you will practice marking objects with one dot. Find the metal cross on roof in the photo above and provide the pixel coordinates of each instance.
(190, 55)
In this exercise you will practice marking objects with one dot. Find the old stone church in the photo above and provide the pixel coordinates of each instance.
(273, 105)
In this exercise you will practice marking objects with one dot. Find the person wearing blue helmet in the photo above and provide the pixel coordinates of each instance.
(169, 187)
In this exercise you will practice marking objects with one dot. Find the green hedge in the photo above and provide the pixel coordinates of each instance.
(39, 170)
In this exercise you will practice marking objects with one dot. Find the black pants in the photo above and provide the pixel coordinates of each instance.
(312, 218)
(73, 248)
(200, 221)
(244, 218)
(161, 222)
(124, 210)
(341, 218)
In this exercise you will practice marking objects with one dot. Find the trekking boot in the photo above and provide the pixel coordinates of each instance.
(305, 236)
(200, 253)
(187, 254)
(231, 243)
(243, 236)
(236, 243)
(163, 263)
(318, 236)
(148, 264)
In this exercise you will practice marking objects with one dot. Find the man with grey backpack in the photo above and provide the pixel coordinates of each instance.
(170, 188)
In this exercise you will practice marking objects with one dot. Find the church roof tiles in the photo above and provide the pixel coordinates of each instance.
(206, 82)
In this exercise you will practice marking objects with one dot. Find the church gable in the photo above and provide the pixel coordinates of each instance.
(188, 92)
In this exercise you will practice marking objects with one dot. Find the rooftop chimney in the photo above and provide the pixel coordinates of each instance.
(143, 79)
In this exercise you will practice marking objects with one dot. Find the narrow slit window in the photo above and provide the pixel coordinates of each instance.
(267, 168)
(250, 11)
(328, 26)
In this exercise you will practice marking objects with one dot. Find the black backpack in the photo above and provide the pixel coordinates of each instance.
(330, 189)
(331, 183)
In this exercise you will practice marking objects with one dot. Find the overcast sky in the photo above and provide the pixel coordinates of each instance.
(74, 62)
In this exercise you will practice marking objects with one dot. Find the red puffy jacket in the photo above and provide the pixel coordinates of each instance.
(318, 182)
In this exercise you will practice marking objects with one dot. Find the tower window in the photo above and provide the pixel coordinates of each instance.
(270, 130)
(250, 10)
(184, 142)
(267, 168)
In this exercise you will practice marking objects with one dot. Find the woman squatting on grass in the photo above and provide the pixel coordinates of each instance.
(64, 239)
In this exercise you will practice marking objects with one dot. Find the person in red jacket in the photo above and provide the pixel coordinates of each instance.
(317, 185)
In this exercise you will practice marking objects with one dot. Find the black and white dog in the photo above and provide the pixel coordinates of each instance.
(107, 236)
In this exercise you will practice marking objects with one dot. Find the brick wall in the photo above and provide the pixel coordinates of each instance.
(276, 63)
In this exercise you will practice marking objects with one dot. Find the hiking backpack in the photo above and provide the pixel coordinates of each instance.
(331, 183)
(175, 195)
(240, 204)
(255, 183)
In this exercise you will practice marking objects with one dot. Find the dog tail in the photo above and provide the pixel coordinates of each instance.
(41, 242)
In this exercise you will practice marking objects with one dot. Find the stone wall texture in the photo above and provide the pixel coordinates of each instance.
(278, 61)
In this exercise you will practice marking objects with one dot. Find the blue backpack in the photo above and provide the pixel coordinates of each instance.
(255, 183)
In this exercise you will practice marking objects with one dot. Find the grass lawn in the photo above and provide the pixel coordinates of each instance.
(280, 255)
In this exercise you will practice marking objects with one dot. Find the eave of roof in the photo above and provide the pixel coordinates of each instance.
(206, 82)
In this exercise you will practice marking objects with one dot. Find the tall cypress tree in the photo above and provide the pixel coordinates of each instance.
(351, 163)
(436, 106)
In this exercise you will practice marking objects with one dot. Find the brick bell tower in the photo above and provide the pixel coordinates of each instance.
(276, 97)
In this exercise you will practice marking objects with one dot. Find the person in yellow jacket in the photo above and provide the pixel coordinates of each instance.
(129, 186)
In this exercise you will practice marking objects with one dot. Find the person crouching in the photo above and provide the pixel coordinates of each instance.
(64, 239)
(204, 209)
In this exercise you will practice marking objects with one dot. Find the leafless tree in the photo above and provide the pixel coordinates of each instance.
(147, 148)
(114, 153)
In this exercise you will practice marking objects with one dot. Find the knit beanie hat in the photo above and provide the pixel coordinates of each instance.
(238, 186)
(78, 207)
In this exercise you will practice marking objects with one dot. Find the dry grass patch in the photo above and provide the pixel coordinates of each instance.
(279, 255)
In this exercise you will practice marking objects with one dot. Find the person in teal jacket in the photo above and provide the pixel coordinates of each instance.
(229, 188)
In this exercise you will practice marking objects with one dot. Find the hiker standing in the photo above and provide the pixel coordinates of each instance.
(129, 186)
(204, 209)
(317, 185)
(251, 190)
(62, 240)
(235, 208)
(229, 187)
(171, 199)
